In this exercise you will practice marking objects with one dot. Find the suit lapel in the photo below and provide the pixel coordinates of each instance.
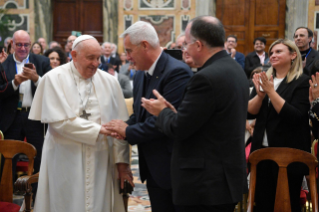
(12, 70)
(158, 71)
(282, 87)
(139, 86)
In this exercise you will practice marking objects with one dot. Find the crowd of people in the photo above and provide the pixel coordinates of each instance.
(189, 117)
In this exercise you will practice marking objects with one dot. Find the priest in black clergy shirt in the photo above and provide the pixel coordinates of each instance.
(303, 38)
(208, 160)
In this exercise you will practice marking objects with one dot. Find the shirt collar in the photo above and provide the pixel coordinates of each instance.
(18, 62)
(263, 54)
(150, 71)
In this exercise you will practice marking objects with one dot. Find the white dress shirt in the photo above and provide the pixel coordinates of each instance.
(25, 87)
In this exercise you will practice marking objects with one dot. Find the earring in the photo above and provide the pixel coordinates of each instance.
(292, 61)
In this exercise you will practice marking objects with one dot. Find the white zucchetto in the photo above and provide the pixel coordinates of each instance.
(80, 39)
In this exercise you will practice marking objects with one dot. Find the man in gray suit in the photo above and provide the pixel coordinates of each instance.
(123, 80)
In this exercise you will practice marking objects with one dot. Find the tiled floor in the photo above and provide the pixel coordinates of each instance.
(139, 200)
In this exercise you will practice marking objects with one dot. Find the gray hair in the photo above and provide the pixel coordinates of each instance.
(7, 39)
(181, 35)
(105, 43)
(142, 31)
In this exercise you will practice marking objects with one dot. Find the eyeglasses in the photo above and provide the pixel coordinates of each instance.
(231, 41)
(185, 45)
(71, 41)
(26, 45)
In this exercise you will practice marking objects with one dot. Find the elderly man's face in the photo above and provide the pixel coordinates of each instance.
(179, 42)
(21, 44)
(71, 39)
(188, 44)
(86, 59)
(107, 49)
(135, 54)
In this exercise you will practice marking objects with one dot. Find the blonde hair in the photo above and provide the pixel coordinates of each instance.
(296, 69)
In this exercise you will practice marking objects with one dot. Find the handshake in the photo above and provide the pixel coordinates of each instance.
(115, 128)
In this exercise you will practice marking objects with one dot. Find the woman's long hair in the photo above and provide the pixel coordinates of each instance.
(296, 68)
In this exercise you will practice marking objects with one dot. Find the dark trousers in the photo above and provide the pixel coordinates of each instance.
(161, 199)
(34, 132)
(209, 208)
(266, 182)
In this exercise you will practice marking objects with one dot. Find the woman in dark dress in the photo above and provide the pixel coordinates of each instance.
(281, 112)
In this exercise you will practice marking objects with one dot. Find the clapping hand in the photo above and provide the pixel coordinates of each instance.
(155, 106)
(3, 56)
(314, 89)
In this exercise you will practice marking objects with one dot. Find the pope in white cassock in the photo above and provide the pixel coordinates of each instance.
(79, 159)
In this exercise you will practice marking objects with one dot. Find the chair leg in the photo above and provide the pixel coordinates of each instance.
(28, 199)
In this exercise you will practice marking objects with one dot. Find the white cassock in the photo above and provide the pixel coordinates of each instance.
(78, 169)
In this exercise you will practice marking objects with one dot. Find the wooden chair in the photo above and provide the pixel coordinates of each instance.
(283, 157)
(129, 106)
(9, 148)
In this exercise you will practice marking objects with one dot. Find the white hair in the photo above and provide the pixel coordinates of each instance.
(106, 43)
(114, 46)
(141, 31)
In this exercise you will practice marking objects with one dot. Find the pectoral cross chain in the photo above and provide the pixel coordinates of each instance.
(85, 115)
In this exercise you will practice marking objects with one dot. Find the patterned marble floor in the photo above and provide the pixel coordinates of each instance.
(139, 199)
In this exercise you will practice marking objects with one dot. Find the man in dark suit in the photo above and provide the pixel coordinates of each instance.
(107, 56)
(230, 45)
(303, 38)
(169, 76)
(18, 84)
(256, 58)
(208, 161)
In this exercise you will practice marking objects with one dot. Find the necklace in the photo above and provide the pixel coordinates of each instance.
(84, 115)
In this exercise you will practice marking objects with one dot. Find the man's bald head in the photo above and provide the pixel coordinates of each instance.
(21, 43)
(209, 30)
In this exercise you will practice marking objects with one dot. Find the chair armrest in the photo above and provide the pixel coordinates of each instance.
(23, 184)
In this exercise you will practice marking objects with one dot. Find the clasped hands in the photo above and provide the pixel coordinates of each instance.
(117, 128)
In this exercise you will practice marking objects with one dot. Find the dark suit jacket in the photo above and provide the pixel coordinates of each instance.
(252, 61)
(289, 128)
(8, 97)
(240, 58)
(208, 161)
(113, 61)
(169, 78)
(311, 58)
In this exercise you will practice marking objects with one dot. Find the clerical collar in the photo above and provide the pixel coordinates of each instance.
(150, 71)
(23, 61)
(76, 72)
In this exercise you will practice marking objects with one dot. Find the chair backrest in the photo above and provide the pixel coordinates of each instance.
(283, 157)
(314, 147)
(129, 105)
(9, 148)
